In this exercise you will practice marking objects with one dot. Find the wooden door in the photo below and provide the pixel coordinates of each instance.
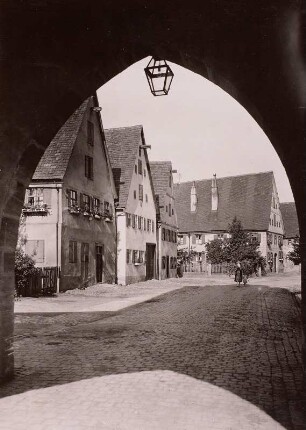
(99, 263)
(150, 260)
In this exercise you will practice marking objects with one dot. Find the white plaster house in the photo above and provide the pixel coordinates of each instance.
(166, 231)
(68, 216)
(205, 208)
(136, 207)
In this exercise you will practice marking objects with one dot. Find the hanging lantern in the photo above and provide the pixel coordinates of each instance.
(159, 76)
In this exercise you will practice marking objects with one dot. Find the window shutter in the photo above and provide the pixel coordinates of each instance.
(81, 201)
(90, 203)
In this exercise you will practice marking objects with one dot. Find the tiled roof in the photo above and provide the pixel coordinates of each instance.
(160, 171)
(122, 144)
(54, 162)
(248, 197)
(290, 219)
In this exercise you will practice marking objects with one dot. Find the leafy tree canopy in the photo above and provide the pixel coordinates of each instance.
(240, 246)
(295, 255)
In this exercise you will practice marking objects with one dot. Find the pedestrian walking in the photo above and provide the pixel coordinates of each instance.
(238, 274)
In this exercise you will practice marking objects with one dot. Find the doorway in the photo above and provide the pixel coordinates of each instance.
(167, 266)
(99, 263)
(150, 260)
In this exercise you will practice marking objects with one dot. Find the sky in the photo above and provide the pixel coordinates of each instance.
(197, 126)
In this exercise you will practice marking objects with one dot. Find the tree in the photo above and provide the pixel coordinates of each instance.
(215, 251)
(240, 246)
(24, 267)
(295, 255)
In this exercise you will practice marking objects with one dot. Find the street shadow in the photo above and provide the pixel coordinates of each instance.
(246, 340)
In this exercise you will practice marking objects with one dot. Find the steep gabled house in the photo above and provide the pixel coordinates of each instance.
(69, 206)
(292, 232)
(166, 218)
(135, 208)
(205, 208)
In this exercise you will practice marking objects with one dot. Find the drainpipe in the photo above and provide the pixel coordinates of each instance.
(116, 249)
(57, 241)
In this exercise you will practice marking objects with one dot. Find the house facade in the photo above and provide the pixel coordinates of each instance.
(135, 207)
(292, 232)
(68, 217)
(205, 208)
(166, 232)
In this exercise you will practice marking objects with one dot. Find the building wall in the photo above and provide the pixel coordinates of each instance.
(121, 247)
(166, 249)
(84, 229)
(46, 228)
(137, 239)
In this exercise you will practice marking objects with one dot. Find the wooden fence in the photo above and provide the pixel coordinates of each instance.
(42, 283)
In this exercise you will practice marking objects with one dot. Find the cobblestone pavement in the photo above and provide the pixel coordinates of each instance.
(219, 357)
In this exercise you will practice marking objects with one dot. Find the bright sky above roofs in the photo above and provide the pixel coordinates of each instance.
(198, 126)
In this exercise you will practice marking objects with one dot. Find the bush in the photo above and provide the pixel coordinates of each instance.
(24, 268)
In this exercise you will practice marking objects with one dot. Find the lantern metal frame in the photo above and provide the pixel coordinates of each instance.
(157, 69)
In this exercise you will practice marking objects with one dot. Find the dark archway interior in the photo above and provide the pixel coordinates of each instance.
(55, 54)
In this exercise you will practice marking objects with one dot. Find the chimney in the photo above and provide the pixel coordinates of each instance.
(214, 193)
(193, 198)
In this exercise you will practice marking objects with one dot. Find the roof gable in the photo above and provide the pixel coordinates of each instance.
(122, 144)
(248, 197)
(54, 162)
(290, 220)
(161, 171)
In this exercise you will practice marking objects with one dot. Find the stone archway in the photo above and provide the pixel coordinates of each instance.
(56, 54)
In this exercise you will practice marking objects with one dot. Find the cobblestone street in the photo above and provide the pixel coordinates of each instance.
(176, 361)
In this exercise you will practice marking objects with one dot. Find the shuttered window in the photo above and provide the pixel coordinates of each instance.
(89, 167)
(73, 251)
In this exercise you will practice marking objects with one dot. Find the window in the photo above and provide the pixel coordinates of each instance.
(144, 224)
(141, 256)
(198, 239)
(274, 218)
(180, 239)
(172, 212)
(73, 251)
(139, 167)
(128, 256)
(90, 133)
(106, 208)
(96, 205)
(72, 198)
(133, 221)
(163, 234)
(86, 202)
(280, 255)
(135, 257)
(141, 192)
(152, 226)
(35, 197)
(135, 168)
(128, 220)
(89, 167)
(275, 239)
(149, 223)
(163, 262)
(140, 222)
(135, 194)
(36, 250)
(146, 198)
